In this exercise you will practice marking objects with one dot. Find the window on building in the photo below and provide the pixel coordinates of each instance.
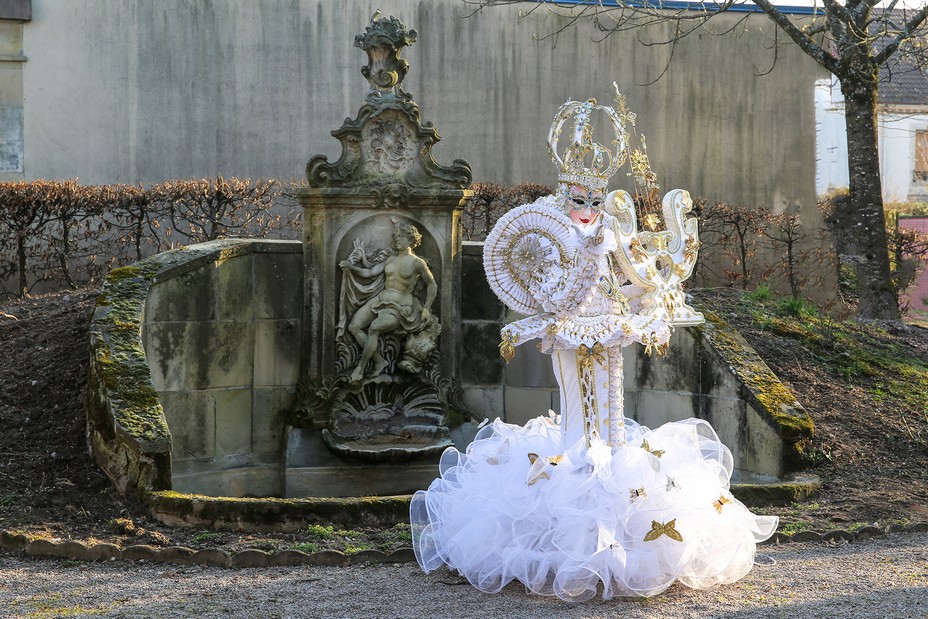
(921, 156)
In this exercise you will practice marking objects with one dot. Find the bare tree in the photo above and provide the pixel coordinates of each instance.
(854, 40)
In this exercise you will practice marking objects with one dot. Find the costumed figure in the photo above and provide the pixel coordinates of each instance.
(589, 500)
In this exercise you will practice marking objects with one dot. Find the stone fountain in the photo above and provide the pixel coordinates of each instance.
(381, 291)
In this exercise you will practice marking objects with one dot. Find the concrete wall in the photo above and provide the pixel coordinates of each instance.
(144, 91)
(11, 95)
(223, 344)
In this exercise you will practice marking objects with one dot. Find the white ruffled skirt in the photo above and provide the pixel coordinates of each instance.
(630, 520)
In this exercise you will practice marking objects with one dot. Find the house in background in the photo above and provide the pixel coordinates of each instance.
(903, 139)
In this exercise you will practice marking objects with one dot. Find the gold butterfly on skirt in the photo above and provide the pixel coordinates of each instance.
(668, 529)
(656, 452)
(720, 502)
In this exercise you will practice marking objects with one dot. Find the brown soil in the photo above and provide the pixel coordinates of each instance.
(871, 455)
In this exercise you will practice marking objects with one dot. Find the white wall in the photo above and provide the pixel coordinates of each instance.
(896, 143)
(830, 137)
(897, 155)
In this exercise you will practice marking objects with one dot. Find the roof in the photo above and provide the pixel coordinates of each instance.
(905, 85)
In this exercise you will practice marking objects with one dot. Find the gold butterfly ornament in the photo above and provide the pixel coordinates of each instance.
(668, 528)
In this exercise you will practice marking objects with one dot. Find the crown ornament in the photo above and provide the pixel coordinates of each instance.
(584, 161)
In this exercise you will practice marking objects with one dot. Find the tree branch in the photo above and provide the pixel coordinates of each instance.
(907, 32)
(805, 43)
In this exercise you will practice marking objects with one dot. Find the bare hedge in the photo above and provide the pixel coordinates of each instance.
(63, 232)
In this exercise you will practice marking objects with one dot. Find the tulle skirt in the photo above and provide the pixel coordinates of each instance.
(623, 521)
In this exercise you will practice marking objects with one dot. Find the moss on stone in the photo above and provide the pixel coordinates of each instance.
(266, 514)
(762, 388)
(119, 360)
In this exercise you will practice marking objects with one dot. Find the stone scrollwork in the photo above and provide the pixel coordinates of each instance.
(387, 142)
(388, 147)
(392, 196)
(660, 261)
(379, 300)
(384, 40)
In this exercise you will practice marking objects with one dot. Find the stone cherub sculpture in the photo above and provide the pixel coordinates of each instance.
(387, 302)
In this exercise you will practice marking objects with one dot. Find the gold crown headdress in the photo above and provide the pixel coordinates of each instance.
(574, 167)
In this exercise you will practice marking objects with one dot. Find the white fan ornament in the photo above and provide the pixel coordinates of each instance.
(528, 245)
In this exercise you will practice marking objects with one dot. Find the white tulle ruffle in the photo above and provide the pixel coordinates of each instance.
(623, 521)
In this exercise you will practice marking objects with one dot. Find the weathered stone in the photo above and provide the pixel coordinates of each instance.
(656, 408)
(487, 402)
(529, 368)
(191, 416)
(524, 404)
(277, 359)
(234, 289)
(289, 558)
(918, 527)
(279, 284)
(233, 421)
(402, 555)
(480, 360)
(806, 536)
(141, 552)
(103, 552)
(267, 422)
(164, 346)
(215, 557)
(42, 548)
(478, 300)
(190, 296)
(219, 354)
(179, 555)
(678, 371)
(245, 480)
(360, 480)
(250, 558)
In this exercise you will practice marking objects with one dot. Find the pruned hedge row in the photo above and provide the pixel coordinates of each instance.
(63, 232)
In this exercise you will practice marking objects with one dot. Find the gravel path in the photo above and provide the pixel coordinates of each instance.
(880, 578)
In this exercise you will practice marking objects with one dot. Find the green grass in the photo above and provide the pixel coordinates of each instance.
(858, 354)
(205, 536)
(761, 293)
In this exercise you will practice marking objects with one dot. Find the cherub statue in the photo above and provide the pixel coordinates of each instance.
(390, 304)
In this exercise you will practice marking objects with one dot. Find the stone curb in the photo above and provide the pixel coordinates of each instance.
(180, 555)
(250, 557)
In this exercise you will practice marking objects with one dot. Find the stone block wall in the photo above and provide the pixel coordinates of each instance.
(222, 341)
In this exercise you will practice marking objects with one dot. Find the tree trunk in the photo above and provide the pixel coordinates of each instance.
(21, 260)
(877, 300)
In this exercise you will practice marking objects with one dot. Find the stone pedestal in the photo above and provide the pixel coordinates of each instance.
(382, 263)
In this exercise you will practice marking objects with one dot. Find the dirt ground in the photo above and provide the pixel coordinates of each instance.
(870, 451)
